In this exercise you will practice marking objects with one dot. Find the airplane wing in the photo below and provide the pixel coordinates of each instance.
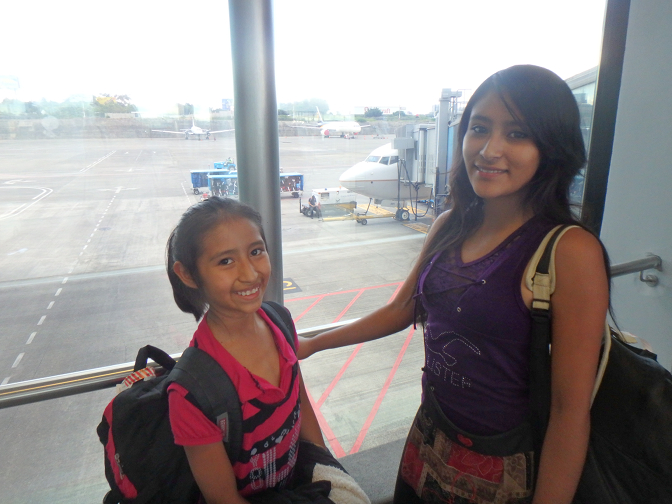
(174, 132)
(221, 131)
(301, 126)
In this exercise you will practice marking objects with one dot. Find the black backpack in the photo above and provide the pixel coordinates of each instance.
(143, 465)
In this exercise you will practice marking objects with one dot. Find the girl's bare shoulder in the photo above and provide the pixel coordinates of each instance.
(579, 252)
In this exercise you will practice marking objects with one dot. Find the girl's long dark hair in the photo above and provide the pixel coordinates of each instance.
(185, 245)
(543, 102)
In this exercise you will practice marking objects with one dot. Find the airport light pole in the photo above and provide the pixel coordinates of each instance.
(256, 123)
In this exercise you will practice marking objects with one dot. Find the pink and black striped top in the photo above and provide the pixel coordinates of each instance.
(271, 415)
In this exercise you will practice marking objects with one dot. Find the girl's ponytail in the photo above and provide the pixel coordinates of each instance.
(187, 299)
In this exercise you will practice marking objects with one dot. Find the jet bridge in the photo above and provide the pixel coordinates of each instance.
(426, 151)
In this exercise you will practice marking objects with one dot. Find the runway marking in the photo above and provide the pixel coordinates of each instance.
(58, 292)
(96, 162)
(369, 420)
(378, 211)
(45, 191)
(50, 305)
(331, 438)
(320, 296)
(423, 228)
(42, 320)
(31, 338)
(18, 359)
(5, 381)
(65, 279)
(324, 425)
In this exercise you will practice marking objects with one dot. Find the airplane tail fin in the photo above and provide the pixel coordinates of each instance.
(319, 116)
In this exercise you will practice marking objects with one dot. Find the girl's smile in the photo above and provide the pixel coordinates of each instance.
(499, 153)
(233, 268)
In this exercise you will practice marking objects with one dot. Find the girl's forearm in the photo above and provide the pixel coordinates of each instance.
(562, 458)
(383, 322)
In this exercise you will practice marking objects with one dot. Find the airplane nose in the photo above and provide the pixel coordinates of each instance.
(352, 177)
(349, 176)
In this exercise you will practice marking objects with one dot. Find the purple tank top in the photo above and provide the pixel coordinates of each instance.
(477, 332)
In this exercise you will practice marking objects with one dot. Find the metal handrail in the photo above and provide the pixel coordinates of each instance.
(52, 387)
(650, 262)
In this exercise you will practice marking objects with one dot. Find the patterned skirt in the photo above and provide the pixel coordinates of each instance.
(444, 464)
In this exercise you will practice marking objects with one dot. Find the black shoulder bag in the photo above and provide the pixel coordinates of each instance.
(629, 457)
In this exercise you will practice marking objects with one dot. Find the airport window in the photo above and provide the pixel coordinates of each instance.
(108, 134)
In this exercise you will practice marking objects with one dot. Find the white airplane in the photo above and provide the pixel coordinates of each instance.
(343, 129)
(194, 130)
(377, 177)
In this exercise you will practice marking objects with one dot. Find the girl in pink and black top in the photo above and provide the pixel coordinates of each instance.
(219, 269)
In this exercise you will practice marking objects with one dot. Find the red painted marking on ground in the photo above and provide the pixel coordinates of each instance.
(338, 376)
(379, 400)
(394, 294)
(333, 383)
(331, 439)
(343, 292)
(319, 298)
(340, 315)
(345, 366)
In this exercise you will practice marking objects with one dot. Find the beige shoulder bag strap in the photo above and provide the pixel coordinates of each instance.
(543, 287)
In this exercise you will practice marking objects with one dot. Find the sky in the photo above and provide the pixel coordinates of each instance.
(371, 53)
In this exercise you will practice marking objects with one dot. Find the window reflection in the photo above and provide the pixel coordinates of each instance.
(96, 167)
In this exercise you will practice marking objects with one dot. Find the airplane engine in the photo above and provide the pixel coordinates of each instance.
(326, 133)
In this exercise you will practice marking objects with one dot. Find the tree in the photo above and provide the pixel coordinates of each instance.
(373, 112)
(282, 112)
(112, 103)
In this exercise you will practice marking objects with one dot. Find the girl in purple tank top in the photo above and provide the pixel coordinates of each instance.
(520, 147)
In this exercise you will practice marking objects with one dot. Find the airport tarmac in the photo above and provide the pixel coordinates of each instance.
(83, 226)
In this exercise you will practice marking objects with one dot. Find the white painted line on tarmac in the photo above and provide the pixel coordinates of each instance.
(18, 359)
(85, 247)
(31, 338)
(50, 305)
(96, 162)
(65, 279)
(42, 320)
(58, 292)
(5, 381)
(45, 191)
(363, 243)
